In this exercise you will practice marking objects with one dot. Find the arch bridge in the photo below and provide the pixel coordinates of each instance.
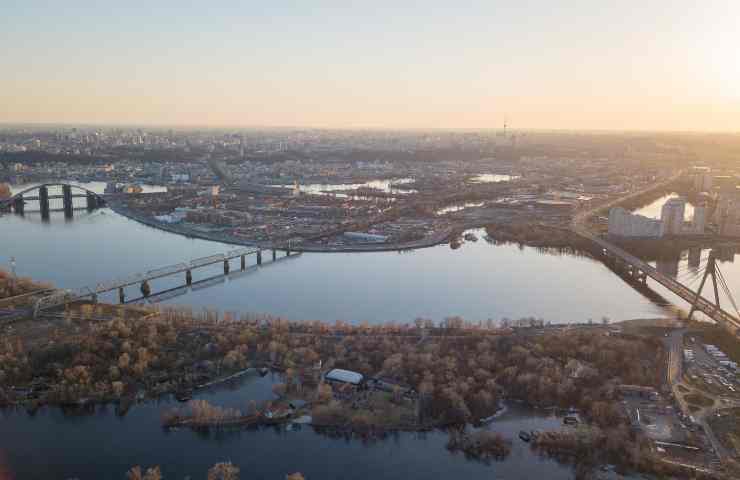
(17, 203)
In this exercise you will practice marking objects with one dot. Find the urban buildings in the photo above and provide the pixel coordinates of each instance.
(727, 214)
(702, 179)
(625, 224)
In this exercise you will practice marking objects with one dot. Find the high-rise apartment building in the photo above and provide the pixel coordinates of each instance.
(672, 216)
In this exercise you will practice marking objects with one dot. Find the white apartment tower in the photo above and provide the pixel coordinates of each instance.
(672, 215)
(625, 224)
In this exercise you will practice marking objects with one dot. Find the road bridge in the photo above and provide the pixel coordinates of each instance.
(639, 271)
(60, 298)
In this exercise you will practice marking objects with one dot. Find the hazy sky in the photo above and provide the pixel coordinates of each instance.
(596, 64)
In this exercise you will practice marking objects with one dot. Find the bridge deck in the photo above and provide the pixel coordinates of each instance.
(702, 304)
(170, 270)
(62, 297)
(52, 197)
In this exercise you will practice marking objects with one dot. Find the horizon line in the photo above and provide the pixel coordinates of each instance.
(362, 128)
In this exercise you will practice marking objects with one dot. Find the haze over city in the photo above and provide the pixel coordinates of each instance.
(632, 65)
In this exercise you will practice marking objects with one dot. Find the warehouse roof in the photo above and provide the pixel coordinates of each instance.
(345, 376)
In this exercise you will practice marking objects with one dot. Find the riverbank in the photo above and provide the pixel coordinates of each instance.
(432, 240)
(537, 235)
(474, 368)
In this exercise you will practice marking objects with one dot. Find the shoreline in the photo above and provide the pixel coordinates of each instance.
(433, 240)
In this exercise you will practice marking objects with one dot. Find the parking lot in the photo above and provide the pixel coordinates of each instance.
(706, 373)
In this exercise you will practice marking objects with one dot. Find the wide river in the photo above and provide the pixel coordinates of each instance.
(476, 281)
(100, 445)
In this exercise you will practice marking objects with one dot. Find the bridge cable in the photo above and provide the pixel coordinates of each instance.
(692, 276)
(698, 273)
(691, 272)
(726, 289)
(686, 267)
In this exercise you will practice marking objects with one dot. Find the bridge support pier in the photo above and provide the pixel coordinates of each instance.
(92, 201)
(19, 205)
(121, 295)
(146, 290)
(67, 199)
(188, 278)
(287, 252)
(44, 201)
(259, 257)
(226, 267)
(244, 263)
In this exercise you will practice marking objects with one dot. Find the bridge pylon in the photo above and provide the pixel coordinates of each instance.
(711, 270)
(19, 205)
(68, 203)
(44, 201)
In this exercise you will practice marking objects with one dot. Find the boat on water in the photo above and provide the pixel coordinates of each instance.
(524, 435)
(184, 395)
(470, 237)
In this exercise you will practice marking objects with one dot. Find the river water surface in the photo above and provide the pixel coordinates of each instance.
(98, 445)
(478, 280)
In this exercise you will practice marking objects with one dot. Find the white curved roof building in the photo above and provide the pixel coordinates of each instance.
(345, 376)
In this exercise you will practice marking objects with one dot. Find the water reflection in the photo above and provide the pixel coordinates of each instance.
(688, 267)
(117, 444)
(458, 207)
(653, 209)
(390, 186)
(477, 280)
(492, 178)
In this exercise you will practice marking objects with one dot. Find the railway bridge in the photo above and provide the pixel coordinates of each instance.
(59, 298)
(42, 194)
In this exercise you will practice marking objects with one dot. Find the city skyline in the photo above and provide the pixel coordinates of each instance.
(628, 67)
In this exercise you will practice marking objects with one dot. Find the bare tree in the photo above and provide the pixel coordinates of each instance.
(223, 471)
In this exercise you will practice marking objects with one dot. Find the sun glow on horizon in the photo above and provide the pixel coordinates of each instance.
(673, 66)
